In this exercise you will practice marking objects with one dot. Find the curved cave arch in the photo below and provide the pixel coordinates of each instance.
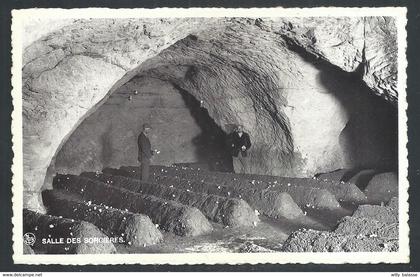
(66, 78)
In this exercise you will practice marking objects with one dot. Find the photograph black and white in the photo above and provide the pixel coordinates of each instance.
(147, 132)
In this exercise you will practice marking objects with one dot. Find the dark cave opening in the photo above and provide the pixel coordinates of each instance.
(210, 144)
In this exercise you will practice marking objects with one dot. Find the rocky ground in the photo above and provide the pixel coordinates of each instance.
(183, 209)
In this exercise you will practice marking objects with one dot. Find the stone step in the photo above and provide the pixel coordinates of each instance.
(169, 215)
(134, 229)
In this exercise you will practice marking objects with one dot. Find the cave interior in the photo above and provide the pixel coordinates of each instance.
(324, 137)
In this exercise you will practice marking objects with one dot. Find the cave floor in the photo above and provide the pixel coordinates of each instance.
(271, 234)
(268, 236)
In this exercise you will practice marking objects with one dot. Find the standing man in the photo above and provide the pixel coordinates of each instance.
(145, 151)
(240, 143)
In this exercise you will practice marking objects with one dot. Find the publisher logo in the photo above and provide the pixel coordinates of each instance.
(29, 239)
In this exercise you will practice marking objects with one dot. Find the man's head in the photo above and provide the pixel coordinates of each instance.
(240, 128)
(146, 128)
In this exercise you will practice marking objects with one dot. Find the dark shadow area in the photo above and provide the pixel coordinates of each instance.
(363, 180)
(350, 174)
(210, 145)
(106, 153)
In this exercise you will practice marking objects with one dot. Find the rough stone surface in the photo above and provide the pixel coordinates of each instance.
(37, 28)
(81, 64)
(136, 229)
(386, 214)
(228, 211)
(322, 241)
(171, 216)
(370, 228)
(46, 227)
(382, 187)
(350, 43)
(381, 56)
(393, 203)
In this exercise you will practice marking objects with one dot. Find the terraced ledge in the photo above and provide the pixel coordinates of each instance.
(270, 203)
(227, 211)
(54, 235)
(135, 229)
(171, 216)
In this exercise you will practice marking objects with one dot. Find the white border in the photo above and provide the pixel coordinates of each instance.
(207, 258)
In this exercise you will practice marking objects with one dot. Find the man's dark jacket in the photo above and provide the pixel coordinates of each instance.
(145, 149)
(236, 143)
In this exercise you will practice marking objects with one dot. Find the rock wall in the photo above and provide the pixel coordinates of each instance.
(364, 44)
(108, 137)
(308, 116)
(247, 65)
(303, 113)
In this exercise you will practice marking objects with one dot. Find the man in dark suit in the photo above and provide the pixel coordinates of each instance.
(239, 143)
(145, 151)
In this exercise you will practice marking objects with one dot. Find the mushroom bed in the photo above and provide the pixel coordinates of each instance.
(228, 211)
(171, 216)
(135, 229)
(182, 209)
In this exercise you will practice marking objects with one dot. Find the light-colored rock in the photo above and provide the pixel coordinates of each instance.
(380, 65)
(277, 92)
(364, 44)
(36, 28)
(44, 63)
(340, 41)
